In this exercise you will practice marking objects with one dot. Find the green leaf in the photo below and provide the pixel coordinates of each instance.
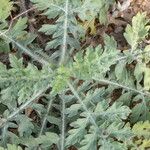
(60, 81)
(146, 78)
(138, 31)
(75, 135)
(20, 83)
(15, 62)
(113, 145)
(97, 61)
(140, 112)
(5, 9)
(45, 141)
(4, 47)
(94, 8)
(11, 147)
(138, 71)
(113, 113)
(142, 129)
(25, 126)
(90, 140)
(119, 131)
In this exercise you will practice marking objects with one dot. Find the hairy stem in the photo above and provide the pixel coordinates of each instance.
(63, 126)
(45, 118)
(64, 45)
(121, 86)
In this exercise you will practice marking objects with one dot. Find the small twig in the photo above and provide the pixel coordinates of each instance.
(19, 15)
(11, 23)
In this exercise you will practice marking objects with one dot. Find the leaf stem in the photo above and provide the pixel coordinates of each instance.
(64, 45)
(122, 86)
(63, 126)
(46, 115)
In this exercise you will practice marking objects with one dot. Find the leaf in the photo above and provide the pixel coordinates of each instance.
(4, 47)
(54, 120)
(138, 72)
(138, 31)
(60, 80)
(19, 33)
(113, 145)
(5, 9)
(75, 135)
(90, 25)
(20, 83)
(94, 59)
(121, 71)
(145, 145)
(15, 62)
(90, 140)
(11, 147)
(113, 113)
(146, 78)
(125, 98)
(59, 29)
(44, 141)
(140, 112)
(73, 110)
(18, 29)
(119, 131)
(142, 129)
(48, 29)
(25, 126)
(146, 54)
(94, 8)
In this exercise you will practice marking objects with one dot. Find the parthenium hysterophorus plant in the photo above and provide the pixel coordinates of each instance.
(72, 102)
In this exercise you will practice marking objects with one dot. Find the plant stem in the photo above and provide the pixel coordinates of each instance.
(122, 86)
(64, 45)
(63, 126)
(46, 115)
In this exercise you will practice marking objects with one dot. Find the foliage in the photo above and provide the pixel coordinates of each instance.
(69, 12)
(142, 135)
(68, 100)
(5, 8)
(11, 147)
(94, 60)
(138, 31)
(95, 8)
(15, 31)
